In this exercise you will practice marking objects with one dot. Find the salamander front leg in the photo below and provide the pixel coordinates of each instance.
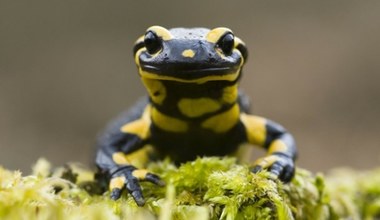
(122, 155)
(280, 145)
(128, 177)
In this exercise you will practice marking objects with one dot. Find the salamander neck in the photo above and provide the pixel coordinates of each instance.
(181, 107)
(191, 101)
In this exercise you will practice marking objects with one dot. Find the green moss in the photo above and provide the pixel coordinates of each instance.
(207, 188)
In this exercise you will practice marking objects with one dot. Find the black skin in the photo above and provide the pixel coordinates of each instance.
(160, 58)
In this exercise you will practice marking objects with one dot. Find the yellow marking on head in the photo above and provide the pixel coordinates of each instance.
(226, 77)
(197, 107)
(224, 121)
(137, 55)
(255, 128)
(188, 53)
(168, 123)
(138, 158)
(139, 127)
(117, 183)
(161, 32)
(140, 174)
(156, 90)
(277, 146)
(140, 39)
(238, 41)
(214, 35)
(230, 94)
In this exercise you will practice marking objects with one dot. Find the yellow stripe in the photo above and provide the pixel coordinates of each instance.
(138, 158)
(267, 161)
(224, 121)
(168, 123)
(277, 146)
(120, 158)
(255, 128)
(230, 94)
(117, 183)
(140, 174)
(226, 77)
(197, 107)
(156, 90)
(139, 127)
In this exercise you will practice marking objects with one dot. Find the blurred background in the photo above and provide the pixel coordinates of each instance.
(66, 68)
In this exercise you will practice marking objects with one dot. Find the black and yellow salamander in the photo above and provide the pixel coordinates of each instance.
(194, 108)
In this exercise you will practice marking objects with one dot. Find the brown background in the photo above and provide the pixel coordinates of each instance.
(66, 68)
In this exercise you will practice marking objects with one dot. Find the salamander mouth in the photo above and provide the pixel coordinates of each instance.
(191, 72)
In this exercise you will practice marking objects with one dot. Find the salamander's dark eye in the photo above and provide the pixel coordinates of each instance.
(226, 43)
(152, 42)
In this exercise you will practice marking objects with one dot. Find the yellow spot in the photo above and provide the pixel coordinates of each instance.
(139, 127)
(197, 107)
(156, 90)
(140, 174)
(168, 123)
(277, 146)
(230, 94)
(161, 32)
(188, 53)
(255, 128)
(226, 77)
(224, 121)
(138, 158)
(214, 35)
(117, 182)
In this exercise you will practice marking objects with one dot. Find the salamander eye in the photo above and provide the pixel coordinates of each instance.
(226, 43)
(152, 42)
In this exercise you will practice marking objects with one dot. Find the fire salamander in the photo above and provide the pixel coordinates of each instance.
(194, 108)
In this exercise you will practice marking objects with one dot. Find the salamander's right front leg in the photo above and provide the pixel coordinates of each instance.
(128, 177)
(120, 153)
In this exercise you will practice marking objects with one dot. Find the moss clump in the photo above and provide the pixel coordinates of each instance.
(207, 188)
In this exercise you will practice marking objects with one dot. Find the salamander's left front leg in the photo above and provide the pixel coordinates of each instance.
(280, 146)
